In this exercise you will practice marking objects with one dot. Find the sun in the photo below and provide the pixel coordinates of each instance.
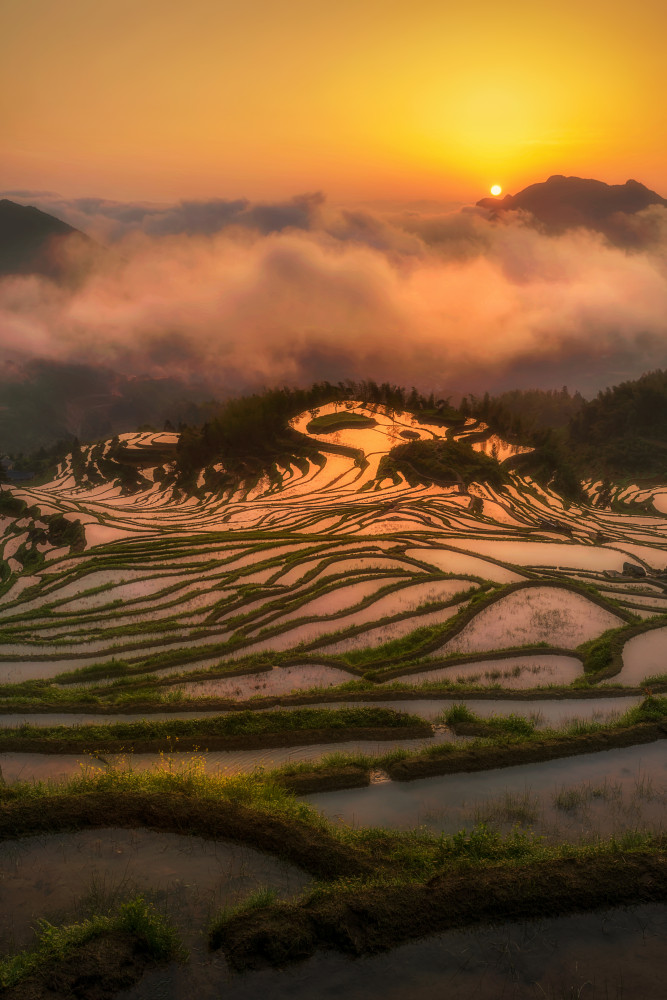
(496, 190)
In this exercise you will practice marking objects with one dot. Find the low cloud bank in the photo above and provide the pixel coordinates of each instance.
(249, 294)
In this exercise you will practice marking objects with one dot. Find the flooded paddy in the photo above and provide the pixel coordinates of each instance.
(120, 592)
(17, 588)
(56, 876)
(644, 656)
(613, 954)
(336, 600)
(548, 554)
(654, 557)
(512, 672)
(359, 564)
(573, 798)
(392, 630)
(102, 534)
(279, 680)
(546, 713)
(540, 614)
(457, 562)
(412, 597)
(660, 501)
(15, 671)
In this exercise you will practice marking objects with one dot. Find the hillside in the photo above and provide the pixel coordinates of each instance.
(33, 242)
(623, 432)
(178, 662)
(45, 402)
(620, 433)
(249, 434)
(562, 203)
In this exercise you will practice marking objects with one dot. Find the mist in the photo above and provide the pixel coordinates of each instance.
(244, 295)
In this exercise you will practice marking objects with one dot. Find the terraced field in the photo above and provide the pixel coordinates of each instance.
(328, 585)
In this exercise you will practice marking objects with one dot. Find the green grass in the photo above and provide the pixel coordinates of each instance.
(153, 935)
(603, 656)
(257, 900)
(458, 713)
(651, 709)
(576, 798)
(245, 723)
(498, 731)
(496, 725)
(520, 808)
(328, 423)
(598, 652)
(256, 790)
(422, 883)
(511, 725)
(441, 462)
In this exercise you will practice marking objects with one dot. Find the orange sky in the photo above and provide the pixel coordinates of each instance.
(364, 99)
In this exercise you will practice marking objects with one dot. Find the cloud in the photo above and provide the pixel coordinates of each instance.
(249, 294)
(111, 221)
(24, 194)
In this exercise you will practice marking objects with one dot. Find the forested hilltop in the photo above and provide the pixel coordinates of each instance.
(624, 430)
(248, 435)
(525, 414)
(619, 434)
(622, 433)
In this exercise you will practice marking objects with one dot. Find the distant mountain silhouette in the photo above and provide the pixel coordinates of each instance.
(33, 242)
(562, 203)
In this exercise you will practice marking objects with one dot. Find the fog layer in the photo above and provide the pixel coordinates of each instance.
(251, 294)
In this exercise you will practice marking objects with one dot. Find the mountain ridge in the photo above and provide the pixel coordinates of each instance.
(561, 203)
(35, 242)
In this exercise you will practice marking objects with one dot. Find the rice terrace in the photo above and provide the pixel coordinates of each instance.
(338, 671)
(333, 500)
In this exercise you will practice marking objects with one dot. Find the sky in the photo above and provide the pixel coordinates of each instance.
(286, 190)
(383, 100)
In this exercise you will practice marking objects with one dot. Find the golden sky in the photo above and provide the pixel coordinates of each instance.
(364, 99)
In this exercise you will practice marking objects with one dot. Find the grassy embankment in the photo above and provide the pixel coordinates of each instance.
(500, 741)
(236, 731)
(375, 887)
(604, 655)
(109, 952)
(480, 878)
